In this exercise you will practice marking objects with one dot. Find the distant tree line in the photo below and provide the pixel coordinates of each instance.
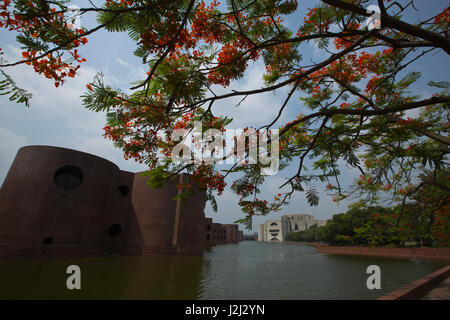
(381, 226)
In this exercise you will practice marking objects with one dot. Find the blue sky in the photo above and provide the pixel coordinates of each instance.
(57, 118)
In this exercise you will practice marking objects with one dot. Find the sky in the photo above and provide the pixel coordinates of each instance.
(56, 116)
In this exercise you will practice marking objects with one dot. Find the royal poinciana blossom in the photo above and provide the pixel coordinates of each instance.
(353, 106)
(46, 36)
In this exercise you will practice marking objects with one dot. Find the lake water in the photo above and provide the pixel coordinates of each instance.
(248, 270)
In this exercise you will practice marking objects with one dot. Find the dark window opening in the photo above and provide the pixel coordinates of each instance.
(296, 227)
(273, 224)
(48, 240)
(114, 230)
(208, 227)
(68, 177)
(123, 190)
(208, 237)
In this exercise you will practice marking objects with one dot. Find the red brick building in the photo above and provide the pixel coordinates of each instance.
(62, 202)
(217, 233)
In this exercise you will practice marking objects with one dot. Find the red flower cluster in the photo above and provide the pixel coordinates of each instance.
(53, 67)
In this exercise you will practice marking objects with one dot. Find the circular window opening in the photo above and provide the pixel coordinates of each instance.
(114, 230)
(123, 190)
(68, 177)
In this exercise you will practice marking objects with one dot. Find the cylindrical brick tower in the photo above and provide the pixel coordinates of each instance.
(168, 227)
(56, 198)
(61, 202)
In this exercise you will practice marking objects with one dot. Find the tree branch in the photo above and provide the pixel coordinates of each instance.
(390, 22)
(376, 112)
(317, 67)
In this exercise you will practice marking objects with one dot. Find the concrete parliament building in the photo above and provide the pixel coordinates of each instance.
(275, 230)
(59, 202)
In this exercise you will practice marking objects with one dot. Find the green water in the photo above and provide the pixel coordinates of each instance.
(248, 270)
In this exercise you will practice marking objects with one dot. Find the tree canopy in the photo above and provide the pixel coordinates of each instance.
(380, 226)
(354, 102)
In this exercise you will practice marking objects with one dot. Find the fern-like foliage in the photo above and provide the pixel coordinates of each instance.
(9, 87)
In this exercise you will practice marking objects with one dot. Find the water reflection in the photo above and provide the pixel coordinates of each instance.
(160, 277)
(255, 270)
(248, 270)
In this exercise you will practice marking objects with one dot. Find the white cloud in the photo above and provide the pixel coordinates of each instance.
(255, 110)
(56, 117)
(123, 63)
(229, 210)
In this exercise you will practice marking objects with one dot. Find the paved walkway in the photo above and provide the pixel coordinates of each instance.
(441, 292)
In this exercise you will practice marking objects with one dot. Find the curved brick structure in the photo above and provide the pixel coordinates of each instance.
(62, 202)
(156, 216)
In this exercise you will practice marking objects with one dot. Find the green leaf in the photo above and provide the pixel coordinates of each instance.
(313, 197)
(440, 84)
(424, 161)
(8, 86)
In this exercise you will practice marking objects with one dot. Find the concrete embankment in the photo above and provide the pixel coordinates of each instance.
(433, 286)
(410, 253)
(419, 288)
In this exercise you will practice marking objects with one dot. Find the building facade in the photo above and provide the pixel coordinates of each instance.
(275, 230)
(217, 233)
(62, 202)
